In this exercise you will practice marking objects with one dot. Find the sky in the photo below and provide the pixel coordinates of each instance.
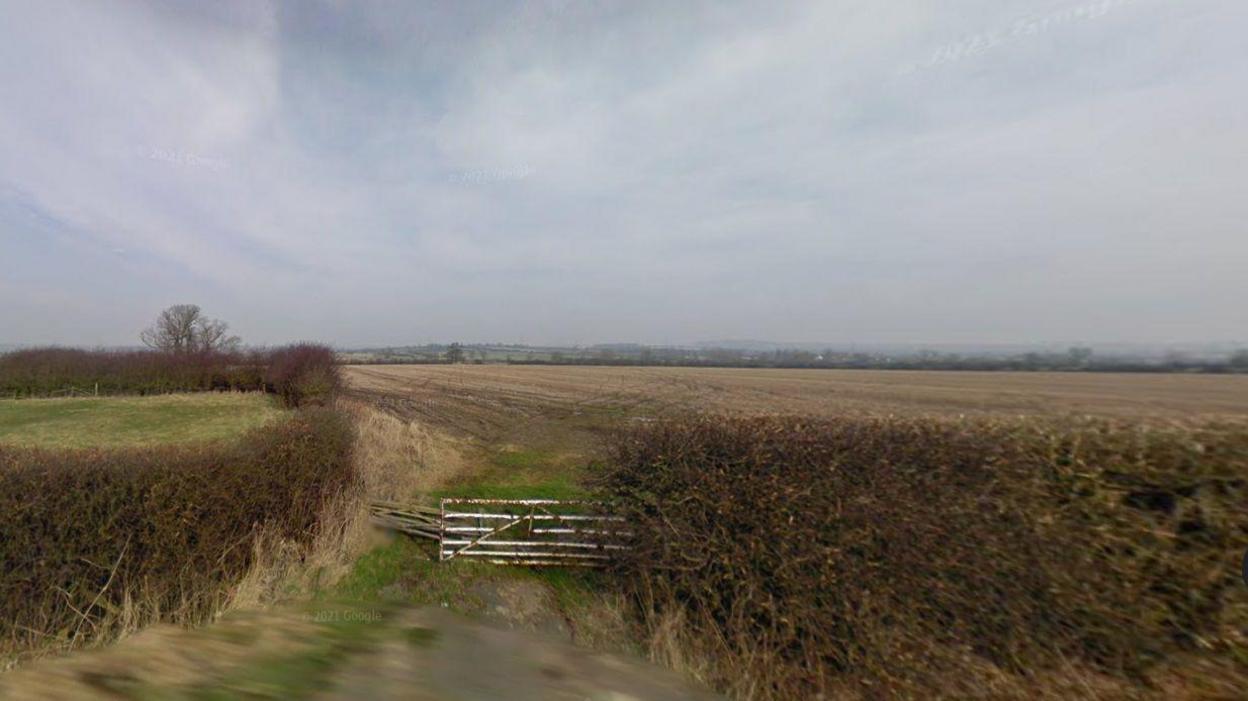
(385, 173)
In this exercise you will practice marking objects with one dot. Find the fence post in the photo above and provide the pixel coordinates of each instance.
(441, 529)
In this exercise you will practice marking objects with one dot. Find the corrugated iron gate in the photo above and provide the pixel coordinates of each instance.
(536, 532)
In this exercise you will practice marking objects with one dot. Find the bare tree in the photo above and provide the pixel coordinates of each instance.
(214, 335)
(183, 328)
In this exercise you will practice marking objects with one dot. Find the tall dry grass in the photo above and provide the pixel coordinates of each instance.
(400, 459)
(395, 460)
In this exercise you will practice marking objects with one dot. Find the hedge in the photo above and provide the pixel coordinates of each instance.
(908, 555)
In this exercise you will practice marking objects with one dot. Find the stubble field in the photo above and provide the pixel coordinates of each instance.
(475, 397)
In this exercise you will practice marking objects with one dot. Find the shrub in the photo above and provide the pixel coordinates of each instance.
(86, 531)
(808, 554)
(302, 374)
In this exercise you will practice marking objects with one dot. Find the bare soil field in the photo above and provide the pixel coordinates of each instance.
(476, 398)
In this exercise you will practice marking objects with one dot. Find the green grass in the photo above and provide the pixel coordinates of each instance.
(132, 421)
(403, 572)
(546, 462)
(520, 474)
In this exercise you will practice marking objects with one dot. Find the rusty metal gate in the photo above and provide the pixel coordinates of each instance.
(512, 531)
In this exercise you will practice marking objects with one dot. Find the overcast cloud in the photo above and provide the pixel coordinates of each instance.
(663, 172)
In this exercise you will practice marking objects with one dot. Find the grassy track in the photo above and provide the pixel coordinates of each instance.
(132, 421)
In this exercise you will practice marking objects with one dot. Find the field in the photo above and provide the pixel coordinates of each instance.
(524, 430)
(477, 397)
(132, 421)
(940, 501)
(960, 500)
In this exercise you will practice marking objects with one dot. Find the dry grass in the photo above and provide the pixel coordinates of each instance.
(400, 458)
(395, 459)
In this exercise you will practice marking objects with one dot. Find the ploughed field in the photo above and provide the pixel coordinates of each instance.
(462, 397)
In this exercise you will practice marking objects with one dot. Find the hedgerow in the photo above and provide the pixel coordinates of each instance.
(302, 374)
(87, 533)
(891, 556)
(296, 373)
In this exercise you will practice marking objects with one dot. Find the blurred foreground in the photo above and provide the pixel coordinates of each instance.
(332, 651)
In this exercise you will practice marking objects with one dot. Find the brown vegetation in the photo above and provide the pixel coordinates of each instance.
(887, 556)
(298, 374)
(1164, 616)
(159, 533)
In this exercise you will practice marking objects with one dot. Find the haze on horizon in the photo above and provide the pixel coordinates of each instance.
(385, 173)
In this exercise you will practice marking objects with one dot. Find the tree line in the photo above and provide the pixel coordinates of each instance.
(1074, 359)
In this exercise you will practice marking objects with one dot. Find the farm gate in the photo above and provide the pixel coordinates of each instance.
(534, 532)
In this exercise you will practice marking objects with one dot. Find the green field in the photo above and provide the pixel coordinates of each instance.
(132, 421)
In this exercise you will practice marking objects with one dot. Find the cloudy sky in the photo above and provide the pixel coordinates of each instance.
(662, 172)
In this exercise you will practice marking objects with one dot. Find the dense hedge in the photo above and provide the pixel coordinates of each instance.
(177, 524)
(303, 374)
(898, 554)
(298, 373)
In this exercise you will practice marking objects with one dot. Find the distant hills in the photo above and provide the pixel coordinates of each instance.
(1199, 350)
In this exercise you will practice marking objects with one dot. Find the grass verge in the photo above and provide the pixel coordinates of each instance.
(515, 473)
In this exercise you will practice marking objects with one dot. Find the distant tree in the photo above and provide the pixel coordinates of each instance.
(1239, 359)
(1033, 360)
(1079, 355)
(183, 328)
(214, 334)
(455, 353)
(1176, 359)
